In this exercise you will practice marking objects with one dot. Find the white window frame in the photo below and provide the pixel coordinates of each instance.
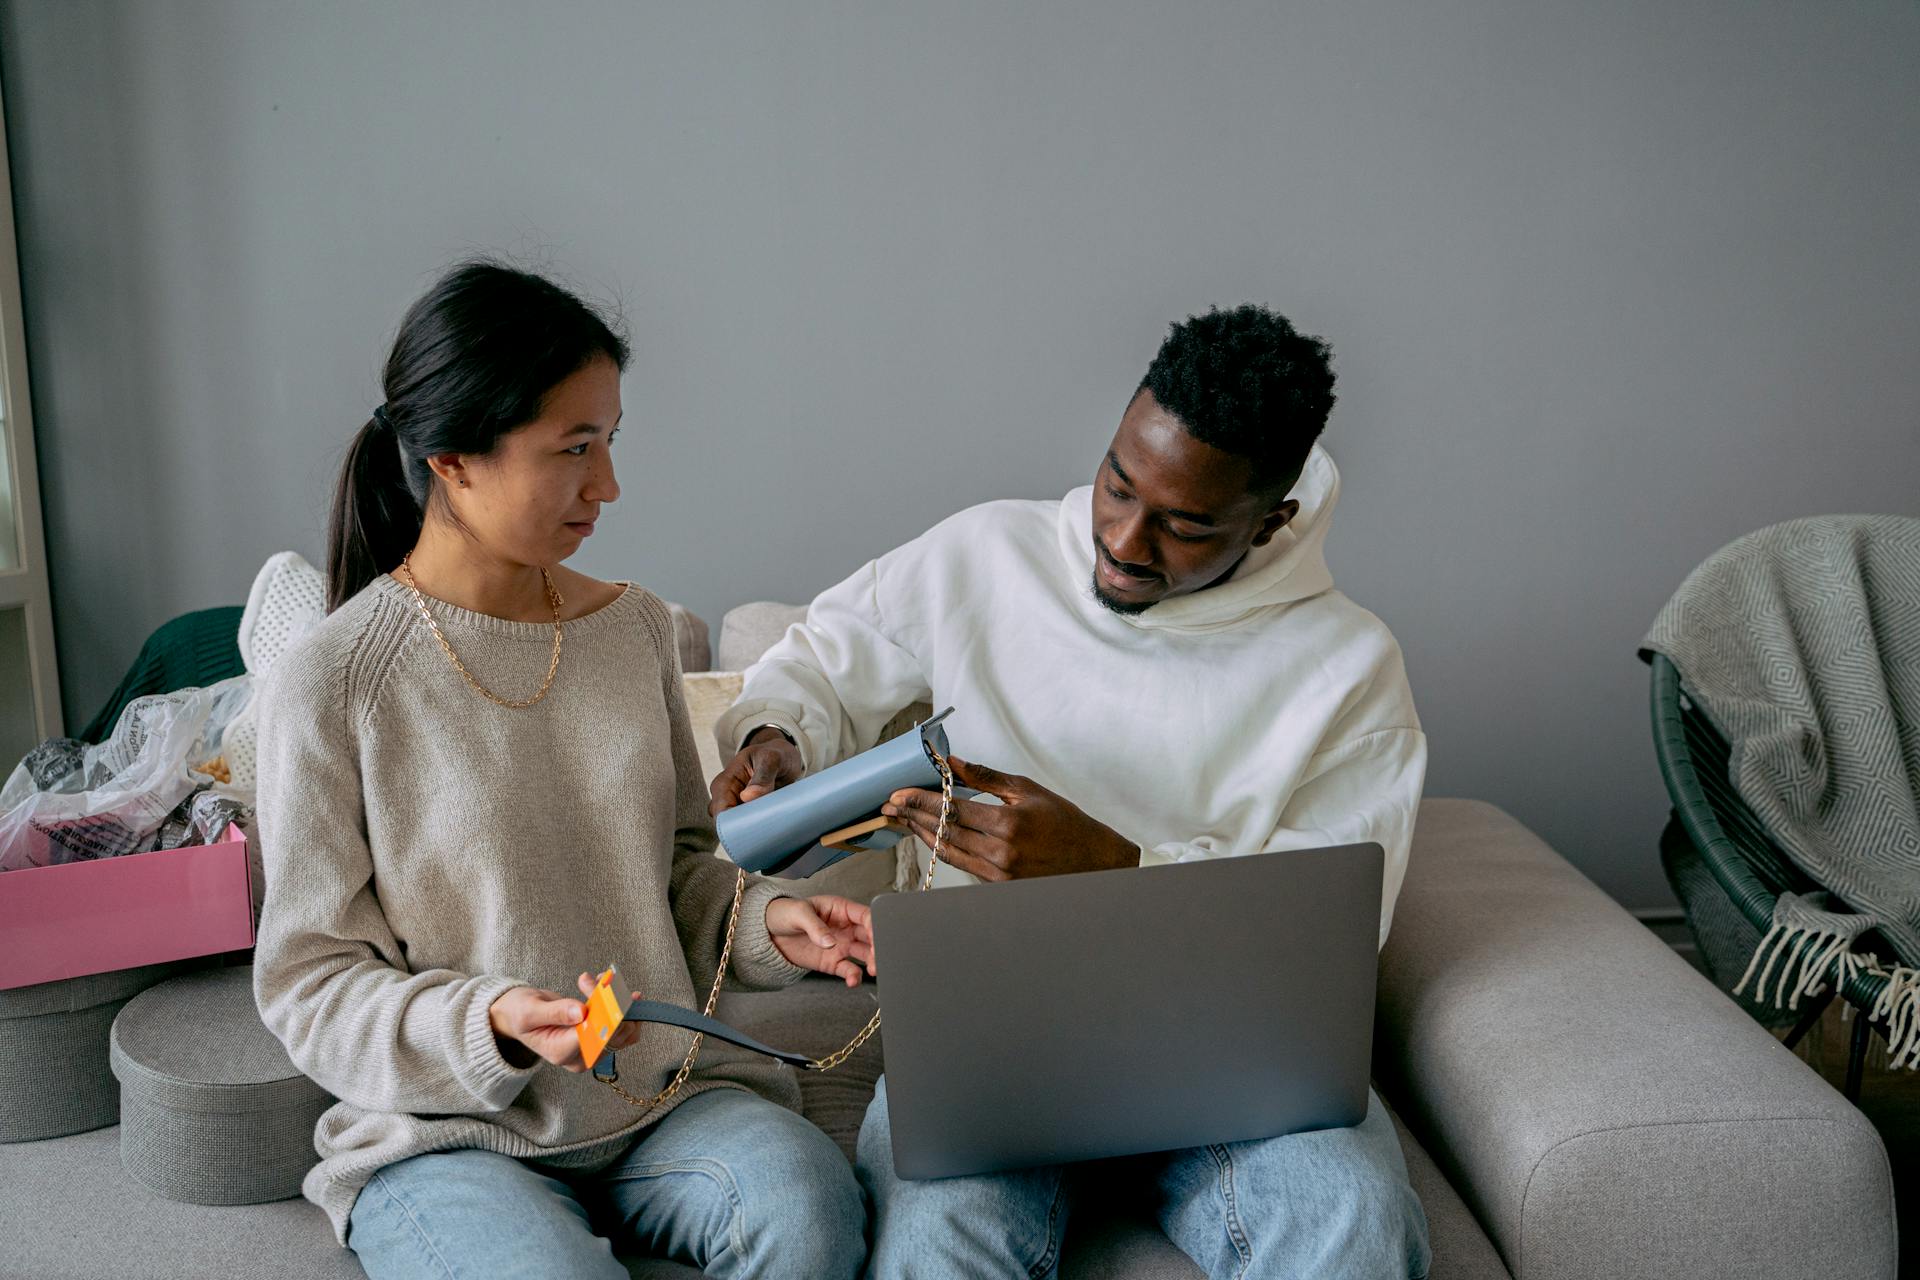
(24, 587)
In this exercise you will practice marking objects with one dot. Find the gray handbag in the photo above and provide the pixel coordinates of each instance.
(212, 1111)
(769, 836)
(54, 1078)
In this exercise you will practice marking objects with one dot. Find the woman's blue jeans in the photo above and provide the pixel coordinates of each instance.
(728, 1182)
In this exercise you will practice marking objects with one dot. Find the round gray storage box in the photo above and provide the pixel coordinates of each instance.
(212, 1110)
(54, 1077)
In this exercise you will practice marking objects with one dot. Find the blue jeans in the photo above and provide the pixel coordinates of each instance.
(1333, 1204)
(728, 1182)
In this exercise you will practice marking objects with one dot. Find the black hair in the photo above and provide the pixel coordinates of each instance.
(473, 360)
(1248, 383)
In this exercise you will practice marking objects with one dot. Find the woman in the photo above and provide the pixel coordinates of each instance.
(477, 775)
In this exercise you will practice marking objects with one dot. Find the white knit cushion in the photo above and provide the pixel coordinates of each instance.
(288, 599)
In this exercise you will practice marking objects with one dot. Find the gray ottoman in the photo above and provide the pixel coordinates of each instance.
(54, 1078)
(212, 1110)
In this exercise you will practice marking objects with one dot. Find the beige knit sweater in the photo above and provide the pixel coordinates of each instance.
(426, 849)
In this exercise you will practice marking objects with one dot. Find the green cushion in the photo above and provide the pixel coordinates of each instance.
(192, 651)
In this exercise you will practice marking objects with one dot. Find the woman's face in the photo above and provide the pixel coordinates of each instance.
(534, 499)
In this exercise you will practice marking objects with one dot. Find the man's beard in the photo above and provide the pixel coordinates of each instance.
(1125, 608)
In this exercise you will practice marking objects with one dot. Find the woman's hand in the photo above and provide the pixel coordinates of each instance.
(532, 1025)
(827, 934)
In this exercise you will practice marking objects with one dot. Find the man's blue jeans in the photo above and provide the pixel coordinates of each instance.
(1334, 1204)
(728, 1182)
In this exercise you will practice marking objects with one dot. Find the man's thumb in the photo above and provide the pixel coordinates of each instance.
(979, 776)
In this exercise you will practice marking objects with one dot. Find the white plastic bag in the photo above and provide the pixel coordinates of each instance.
(126, 786)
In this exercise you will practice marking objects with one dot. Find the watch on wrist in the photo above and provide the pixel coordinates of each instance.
(768, 725)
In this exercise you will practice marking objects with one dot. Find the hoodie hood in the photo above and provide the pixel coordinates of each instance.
(1293, 566)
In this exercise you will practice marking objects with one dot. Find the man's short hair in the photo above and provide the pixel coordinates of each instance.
(1248, 383)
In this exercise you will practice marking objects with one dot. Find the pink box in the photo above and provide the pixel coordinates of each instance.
(120, 913)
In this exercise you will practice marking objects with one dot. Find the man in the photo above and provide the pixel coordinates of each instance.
(1162, 668)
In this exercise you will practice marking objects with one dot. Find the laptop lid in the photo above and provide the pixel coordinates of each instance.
(1119, 1012)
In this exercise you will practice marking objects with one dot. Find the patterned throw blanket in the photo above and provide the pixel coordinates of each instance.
(1801, 643)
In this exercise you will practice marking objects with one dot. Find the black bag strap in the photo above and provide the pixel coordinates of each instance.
(673, 1015)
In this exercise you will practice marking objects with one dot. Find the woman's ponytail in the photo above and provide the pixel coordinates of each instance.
(474, 359)
(375, 519)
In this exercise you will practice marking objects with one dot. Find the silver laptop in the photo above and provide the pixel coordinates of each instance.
(1121, 1012)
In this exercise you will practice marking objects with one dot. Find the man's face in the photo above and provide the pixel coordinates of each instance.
(1172, 515)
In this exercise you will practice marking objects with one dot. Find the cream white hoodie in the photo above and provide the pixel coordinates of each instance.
(1267, 712)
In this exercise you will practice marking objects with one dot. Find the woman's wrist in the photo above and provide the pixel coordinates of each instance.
(517, 1055)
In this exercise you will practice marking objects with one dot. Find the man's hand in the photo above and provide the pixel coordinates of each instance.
(824, 933)
(767, 763)
(1032, 832)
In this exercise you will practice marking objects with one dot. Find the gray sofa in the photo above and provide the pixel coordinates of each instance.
(1574, 1101)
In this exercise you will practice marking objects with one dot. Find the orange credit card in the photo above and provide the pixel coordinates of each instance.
(605, 1012)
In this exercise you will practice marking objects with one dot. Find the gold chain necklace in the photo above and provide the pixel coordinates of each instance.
(832, 1060)
(553, 598)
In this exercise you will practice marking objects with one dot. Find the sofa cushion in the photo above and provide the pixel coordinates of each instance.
(145, 1236)
(690, 638)
(72, 1213)
(749, 630)
(118, 1228)
(818, 1015)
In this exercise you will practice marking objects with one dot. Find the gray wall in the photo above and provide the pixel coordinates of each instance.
(1608, 285)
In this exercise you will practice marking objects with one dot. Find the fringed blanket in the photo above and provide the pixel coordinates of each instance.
(1801, 643)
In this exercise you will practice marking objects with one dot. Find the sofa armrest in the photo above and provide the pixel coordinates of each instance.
(1605, 1110)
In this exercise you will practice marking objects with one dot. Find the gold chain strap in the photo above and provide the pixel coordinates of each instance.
(832, 1060)
(713, 998)
(554, 599)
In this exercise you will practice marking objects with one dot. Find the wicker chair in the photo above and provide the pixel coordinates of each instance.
(1746, 864)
